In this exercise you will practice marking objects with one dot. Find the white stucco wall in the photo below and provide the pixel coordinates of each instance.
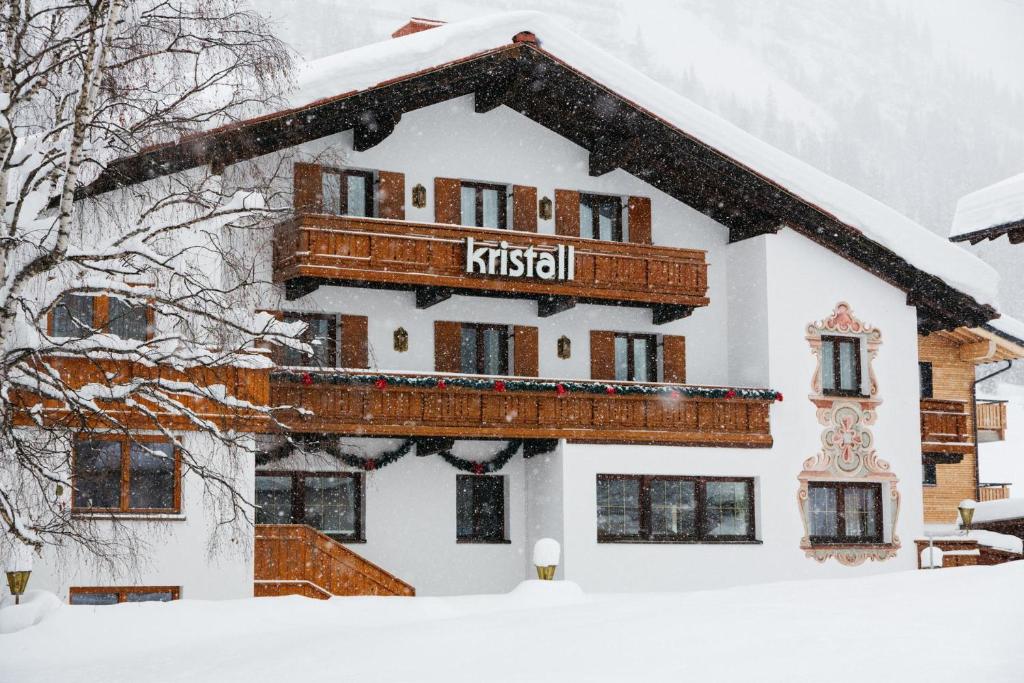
(190, 550)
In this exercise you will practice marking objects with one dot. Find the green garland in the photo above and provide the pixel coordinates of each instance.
(383, 381)
(384, 459)
(495, 464)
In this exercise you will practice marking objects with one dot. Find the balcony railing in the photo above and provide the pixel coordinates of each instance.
(472, 407)
(991, 420)
(316, 249)
(993, 491)
(944, 427)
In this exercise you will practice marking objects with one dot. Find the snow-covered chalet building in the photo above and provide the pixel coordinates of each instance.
(551, 298)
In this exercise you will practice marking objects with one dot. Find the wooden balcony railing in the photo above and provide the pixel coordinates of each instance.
(315, 249)
(295, 559)
(244, 384)
(993, 491)
(991, 420)
(347, 403)
(944, 427)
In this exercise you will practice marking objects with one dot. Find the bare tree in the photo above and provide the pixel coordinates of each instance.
(82, 83)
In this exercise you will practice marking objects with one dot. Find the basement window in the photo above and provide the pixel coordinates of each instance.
(112, 595)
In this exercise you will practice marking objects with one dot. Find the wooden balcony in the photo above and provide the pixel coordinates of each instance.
(159, 386)
(315, 249)
(295, 559)
(471, 407)
(945, 427)
(991, 420)
(993, 491)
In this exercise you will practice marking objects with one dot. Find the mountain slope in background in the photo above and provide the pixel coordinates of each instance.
(916, 102)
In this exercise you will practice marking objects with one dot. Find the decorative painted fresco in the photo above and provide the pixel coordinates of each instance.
(847, 442)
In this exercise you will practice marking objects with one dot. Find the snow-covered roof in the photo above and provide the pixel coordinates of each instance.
(995, 510)
(375, 64)
(996, 208)
(1009, 328)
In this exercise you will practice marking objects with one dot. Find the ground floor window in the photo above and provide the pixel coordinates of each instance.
(330, 502)
(667, 509)
(111, 595)
(480, 508)
(844, 512)
(121, 474)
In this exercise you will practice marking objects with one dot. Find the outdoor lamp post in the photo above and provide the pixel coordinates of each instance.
(17, 582)
(545, 557)
(966, 513)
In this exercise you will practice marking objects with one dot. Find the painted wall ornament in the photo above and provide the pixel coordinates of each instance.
(847, 442)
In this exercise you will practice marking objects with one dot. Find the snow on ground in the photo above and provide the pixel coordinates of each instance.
(945, 625)
(990, 207)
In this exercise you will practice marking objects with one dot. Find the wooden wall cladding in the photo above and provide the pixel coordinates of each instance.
(486, 413)
(952, 387)
(366, 250)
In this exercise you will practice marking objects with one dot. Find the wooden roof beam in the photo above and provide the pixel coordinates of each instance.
(373, 126)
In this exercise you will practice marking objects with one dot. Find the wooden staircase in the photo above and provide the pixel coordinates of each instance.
(295, 559)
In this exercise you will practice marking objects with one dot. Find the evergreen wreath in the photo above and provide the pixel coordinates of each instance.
(330, 446)
(495, 464)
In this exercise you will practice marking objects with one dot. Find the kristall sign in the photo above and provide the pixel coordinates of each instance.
(519, 262)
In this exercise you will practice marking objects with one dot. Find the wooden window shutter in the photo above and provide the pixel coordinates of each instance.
(353, 341)
(567, 213)
(391, 195)
(602, 355)
(524, 208)
(640, 220)
(447, 346)
(525, 351)
(673, 359)
(447, 201)
(308, 188)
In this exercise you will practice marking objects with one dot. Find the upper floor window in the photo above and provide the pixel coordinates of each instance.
(321, 334)
(330, 502)
(112, 595)
(480, 508)
(925, 375)
(118, 474)
(483, 349)
(348, 192)
(634, 508)
(636, 357)
(79, 315)
(840, 366)
(484, 205)
(601, 217)
(844, 512)
(73, 316)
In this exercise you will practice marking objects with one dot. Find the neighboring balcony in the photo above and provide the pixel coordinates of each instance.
(993, 491)
(944, 427)
(991, 421)
(475, 407)
(431, 259)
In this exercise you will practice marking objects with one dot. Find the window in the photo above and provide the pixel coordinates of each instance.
(929, 473)
(321, 334)
(348, 192)
(128, 320)
(636, 357)
(73, 316)
(484, 205)
(844, 512)
(330, 502)
(483, 349)
(78, 315)
(126, 475)
(480, 508)
(925, 374)
(671, 509)
(601, 217)
(840, 366)
(112, 595)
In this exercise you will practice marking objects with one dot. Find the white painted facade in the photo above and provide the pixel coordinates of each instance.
(764, 292)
